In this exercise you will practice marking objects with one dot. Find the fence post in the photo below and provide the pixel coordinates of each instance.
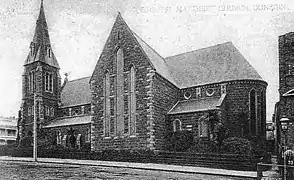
(259, 171)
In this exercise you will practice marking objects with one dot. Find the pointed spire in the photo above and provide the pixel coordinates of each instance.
(40, 46)
(41, 32)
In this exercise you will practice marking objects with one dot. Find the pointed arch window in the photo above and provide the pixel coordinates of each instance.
(119, 92)
(203, 126)
(32, 81)
(177, 125)
(263, 112)
(48, 82)
(132, 101)
(106, 105)
(253, 112)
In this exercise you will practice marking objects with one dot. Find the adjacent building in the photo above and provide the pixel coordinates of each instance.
(285, 107)
(135, 96)
(8, 130)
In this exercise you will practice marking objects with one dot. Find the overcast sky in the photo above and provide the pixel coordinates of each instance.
(78, 30)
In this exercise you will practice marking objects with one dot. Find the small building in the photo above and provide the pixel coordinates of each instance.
(8, 130)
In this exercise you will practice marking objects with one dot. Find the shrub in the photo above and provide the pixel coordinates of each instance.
(3, 150)
(180, 141)
(235, 145)
(203, 146)
(26, 142)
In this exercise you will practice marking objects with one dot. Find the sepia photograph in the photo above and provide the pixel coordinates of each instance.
(137, 89)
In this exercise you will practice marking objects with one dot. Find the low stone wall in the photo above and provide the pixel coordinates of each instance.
(220, 161)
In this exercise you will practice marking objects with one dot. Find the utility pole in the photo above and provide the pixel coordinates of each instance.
(35, 128)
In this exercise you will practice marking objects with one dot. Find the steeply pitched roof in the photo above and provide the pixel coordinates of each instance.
(41, 35)
(154, 58)
(68, 121)
(41, 43)
(222, 62)
(76, 92)
(196, 105)
(157, 61)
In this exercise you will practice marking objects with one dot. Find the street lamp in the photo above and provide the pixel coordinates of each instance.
(284, 126)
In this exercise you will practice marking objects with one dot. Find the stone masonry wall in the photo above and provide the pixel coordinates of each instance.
(165, 97)
(77, 129)
(286, 83)
(120, 37)
(237, 101)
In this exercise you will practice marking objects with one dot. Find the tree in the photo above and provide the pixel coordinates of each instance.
(221, 133)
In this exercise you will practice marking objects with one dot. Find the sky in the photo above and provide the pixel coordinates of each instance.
(78, 30)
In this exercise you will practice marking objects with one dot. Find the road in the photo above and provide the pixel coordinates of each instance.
(11, 170)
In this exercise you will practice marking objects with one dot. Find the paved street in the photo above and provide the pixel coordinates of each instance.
(29, 170)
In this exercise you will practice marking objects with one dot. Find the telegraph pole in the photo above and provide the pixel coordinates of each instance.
(35, 128)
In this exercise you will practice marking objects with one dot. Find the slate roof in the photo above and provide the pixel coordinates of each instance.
(196, 105)
(76, 92)
(68, 121)
(41, 42)
(157, 61)
(222, 62)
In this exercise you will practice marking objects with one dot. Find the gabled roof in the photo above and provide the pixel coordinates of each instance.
(76, 92)
(222, 62)
(41, 43)
(68, 121)
(196, 105)
(154, 58)
(219, 63)
(157, 61)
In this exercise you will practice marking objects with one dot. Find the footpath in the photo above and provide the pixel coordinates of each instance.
(144, 166)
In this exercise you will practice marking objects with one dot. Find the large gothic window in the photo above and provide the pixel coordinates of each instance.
(132, 101)
(120, 92)
(106, 105)
(253, 112)
(263, 113)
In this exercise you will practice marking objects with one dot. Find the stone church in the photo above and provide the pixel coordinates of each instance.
(135, 96)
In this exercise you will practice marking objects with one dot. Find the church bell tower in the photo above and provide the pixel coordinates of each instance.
(40, 79)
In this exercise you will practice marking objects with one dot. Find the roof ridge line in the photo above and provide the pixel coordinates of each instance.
(79, 78)
(148, 45)
(199, 49)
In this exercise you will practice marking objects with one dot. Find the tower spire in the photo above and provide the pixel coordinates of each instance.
(40, 45)
(41, 32)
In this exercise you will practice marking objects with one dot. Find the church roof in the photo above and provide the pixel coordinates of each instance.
(157, 61)
(222, 62)
(68, 121)
(41, 43)
(196, 105)
(76, 92)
